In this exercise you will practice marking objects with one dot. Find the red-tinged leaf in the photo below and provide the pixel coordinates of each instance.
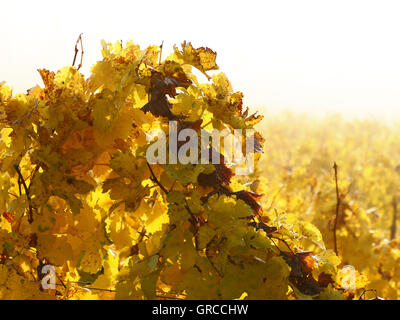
(324, 279)
(251, 199)
(8, 216)
(160, 87)
(261, 225)
(220, 177)
(302, 264)
(194, 125)
(224, 174)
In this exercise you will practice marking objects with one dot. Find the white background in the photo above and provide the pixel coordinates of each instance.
(314, 56)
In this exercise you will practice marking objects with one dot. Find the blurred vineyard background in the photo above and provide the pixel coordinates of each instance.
(297, 177)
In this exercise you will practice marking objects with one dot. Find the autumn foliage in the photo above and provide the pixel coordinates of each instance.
(77, 193)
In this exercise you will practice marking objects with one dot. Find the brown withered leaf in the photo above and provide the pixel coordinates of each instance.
(8, 216)
(194, 125)
(223, 173)
(251, 198)
(306, 257)
(161, 86)
(302, 264)
(258, 142)
(324, 279)
(307, 285)
(159, 107)
(172, 69)
(261, 225)
(220, 177)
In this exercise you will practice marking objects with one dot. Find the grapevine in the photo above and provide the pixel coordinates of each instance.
(78, 193)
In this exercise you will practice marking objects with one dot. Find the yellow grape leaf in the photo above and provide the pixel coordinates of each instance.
(103, 75)
(311, 232)
(56, 249)
(330, 294)
(105, 111)
(108, 279)
(204, 236)
(201, 58)
(69, 77)
(92, 259)
(223, 211)
(5, 92)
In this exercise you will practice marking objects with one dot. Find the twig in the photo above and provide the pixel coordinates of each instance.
(77, 50)
(284, 241)
(81, 286)
(26, 115)
(209, 258)
(62, 282)
(275, 197)
(19, 186)
(80, 63)
(33, 175)
(21, 179)
(188, 208)
(393, 228)
(155, 180)
(205, 125)
(312, 202)
(276, 246)
(335, 167)
(362, 296)
(98, 289)
(13, 194)
(168, 297)
(161, 46)
(170, 189)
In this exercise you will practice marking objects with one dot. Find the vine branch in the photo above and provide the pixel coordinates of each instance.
(161, 46)
(393, 228)
(335, 167)
(155, 180)
(22, 181)
(77, 50)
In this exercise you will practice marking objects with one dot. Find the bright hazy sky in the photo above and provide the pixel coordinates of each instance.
(320, 56)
